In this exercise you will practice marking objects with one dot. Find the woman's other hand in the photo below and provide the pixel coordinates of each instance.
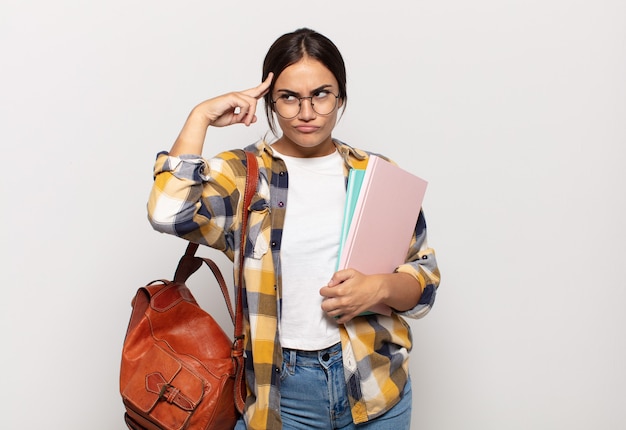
(350, 293)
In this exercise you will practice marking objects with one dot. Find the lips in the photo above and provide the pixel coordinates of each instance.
(307, 128)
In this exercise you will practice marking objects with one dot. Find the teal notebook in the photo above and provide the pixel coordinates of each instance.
(355, 179)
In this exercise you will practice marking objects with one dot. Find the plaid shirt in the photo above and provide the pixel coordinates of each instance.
(200, 200)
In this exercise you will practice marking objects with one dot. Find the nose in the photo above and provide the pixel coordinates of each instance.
(306, 109)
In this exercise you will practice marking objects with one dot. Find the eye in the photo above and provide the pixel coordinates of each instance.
(288, 98)
(321, 95)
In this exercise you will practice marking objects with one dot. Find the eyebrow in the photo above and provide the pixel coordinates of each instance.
(295, 93)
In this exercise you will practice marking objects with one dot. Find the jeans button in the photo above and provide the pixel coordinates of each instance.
(326, 356)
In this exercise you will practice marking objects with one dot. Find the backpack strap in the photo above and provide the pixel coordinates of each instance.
(252, 178)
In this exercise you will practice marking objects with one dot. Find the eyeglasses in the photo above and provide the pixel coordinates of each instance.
(288, 106)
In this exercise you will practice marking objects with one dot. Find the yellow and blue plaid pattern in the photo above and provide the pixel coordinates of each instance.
(200, 200)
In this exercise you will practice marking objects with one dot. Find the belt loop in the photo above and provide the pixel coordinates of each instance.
(293, 356)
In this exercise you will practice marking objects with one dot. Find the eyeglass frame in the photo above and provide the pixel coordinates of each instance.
(310, 101)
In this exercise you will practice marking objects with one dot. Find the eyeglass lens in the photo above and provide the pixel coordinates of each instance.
(288, 106)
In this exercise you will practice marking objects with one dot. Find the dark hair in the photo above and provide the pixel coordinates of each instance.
(290, 48)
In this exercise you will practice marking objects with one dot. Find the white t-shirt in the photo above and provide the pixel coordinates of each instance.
(309, 247)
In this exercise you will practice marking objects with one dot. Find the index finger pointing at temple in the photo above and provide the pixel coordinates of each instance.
(261, 89)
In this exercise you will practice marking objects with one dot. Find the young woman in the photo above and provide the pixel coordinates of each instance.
(311, 360)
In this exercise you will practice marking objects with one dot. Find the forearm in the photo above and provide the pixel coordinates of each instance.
(191, 138)
(400, 291)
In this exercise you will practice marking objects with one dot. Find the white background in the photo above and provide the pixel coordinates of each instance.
(514, 111)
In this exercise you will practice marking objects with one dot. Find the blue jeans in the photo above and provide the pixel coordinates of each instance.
(314, 396)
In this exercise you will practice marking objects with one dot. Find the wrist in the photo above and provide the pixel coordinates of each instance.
(198, 118)
(385, 286)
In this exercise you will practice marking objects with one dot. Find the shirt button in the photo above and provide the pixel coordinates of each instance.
(424, 257)
(281, 204)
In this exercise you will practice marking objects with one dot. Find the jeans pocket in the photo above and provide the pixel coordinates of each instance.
(289, 365)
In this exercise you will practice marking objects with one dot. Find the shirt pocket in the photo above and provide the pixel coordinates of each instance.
(259, 229)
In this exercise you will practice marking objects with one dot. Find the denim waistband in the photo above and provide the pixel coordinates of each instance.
(322, 357)
(305, 353)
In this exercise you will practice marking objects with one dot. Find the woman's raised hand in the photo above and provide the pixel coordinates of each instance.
(238, 107)
(234, 108)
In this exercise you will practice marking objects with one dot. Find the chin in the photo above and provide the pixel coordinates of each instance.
(309, 141)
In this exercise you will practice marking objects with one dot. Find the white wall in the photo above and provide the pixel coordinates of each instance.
(513, 110)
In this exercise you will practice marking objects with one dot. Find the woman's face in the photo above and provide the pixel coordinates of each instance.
(308, 134)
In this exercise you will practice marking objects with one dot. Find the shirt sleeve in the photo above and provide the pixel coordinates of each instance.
(195, 198)
(421, 264)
